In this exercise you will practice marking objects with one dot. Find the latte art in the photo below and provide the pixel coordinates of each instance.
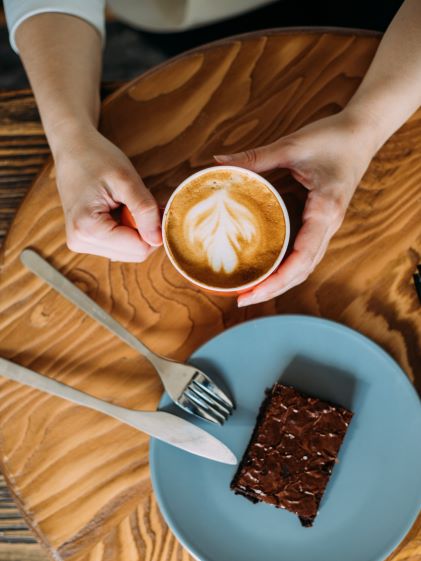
(220, 226)
(224, 228)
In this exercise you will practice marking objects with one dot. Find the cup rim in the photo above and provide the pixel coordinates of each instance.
(241, 287)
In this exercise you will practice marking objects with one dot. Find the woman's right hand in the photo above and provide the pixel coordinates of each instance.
(93, 178)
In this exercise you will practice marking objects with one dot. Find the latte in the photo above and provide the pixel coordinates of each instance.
(225, 228)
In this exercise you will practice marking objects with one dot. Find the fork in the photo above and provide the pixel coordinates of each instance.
(190, 388)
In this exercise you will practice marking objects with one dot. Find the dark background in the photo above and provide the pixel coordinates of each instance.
(129, 51)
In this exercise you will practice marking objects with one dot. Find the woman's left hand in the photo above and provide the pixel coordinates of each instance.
(328, 157)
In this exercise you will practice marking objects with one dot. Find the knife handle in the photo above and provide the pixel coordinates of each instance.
(17, 373)
(159, 424)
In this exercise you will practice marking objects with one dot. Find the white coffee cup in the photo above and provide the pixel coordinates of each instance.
(245, 287)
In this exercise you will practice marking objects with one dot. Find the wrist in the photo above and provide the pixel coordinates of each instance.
(69, 134)
(366, 127)
(64, 123)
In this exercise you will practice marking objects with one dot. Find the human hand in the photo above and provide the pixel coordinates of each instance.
(329, 158)
(93, 178)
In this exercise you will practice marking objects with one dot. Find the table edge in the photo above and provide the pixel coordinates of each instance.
(273, 31)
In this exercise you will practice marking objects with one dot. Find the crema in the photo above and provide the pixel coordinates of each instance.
(225, 228)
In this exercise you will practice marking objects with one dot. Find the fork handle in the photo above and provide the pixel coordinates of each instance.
(40, 267)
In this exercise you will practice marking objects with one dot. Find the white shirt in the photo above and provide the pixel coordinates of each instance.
(151, 15)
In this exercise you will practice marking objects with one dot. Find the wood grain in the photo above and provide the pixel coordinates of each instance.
(23, 151)
(16, 154)
(82, 479)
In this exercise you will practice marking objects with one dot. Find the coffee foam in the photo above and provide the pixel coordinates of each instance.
(221, 226)
(225, 228)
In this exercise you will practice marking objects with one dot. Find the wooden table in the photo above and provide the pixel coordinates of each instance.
(23, 152)
(237, 93)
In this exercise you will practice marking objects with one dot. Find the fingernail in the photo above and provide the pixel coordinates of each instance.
(224, 158)
(247, 301)
(154, 237)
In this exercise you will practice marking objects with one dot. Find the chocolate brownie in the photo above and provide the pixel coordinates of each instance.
(292, 452)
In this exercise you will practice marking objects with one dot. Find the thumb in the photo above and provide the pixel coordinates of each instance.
(144, 210)
(259, 159)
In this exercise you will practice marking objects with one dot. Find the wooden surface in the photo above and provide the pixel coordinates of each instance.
(81, 479)
(23, 151)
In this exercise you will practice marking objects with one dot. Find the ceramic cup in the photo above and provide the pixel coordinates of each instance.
(241, 288)
(127, 219)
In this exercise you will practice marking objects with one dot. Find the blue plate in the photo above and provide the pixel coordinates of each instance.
(374, 494)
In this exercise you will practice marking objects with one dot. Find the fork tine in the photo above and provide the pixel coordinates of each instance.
(206, 389)
(204, 409)
(185, 403)
(200, 402)
(207, 384)
(210, 400)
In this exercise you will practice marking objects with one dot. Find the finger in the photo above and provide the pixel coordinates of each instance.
(100, 234)
(144, 209)
(279, 282)
(260, 159)
(309, 248)
(115, 256)
(125, 241)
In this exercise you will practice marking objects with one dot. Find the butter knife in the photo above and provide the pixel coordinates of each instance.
(158, 424)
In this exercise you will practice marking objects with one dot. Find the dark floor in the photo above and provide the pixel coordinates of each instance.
(129, 52)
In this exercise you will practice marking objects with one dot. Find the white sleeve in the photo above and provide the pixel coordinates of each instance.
(18, 11)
